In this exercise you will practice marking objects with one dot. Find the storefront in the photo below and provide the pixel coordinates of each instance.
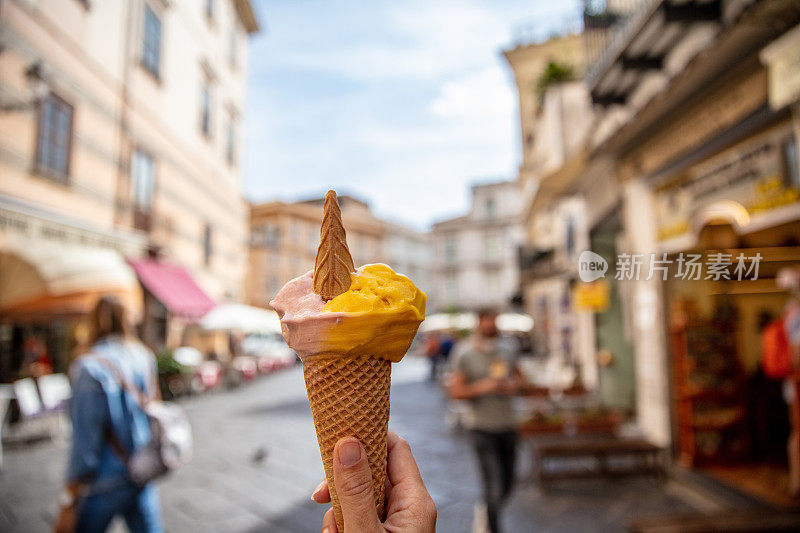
(612, 324)
(53, 268)
(736, 216)
(47, 289)
(173, 304)
(710, 192)
(549, 274)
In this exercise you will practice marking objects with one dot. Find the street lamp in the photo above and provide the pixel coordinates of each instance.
(34, 76)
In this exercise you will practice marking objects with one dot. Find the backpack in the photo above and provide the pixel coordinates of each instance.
(776, 355)
(171, 444)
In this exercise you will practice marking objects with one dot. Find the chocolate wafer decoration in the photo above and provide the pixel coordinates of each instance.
(334, 263)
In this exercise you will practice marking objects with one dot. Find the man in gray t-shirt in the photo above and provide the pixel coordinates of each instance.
(485, 375)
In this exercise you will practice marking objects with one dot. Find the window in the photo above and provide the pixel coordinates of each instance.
(54, 138)
(143, 173)
(272, 237)
(273, 285)
(209, 9)
(313, 239)
(450, 251)
(491, 247)
(294, 232)
(233, 48)
(207, 249)
(230, 141)
(451, 288)
(492, 284)
(490, 207)
(791, 162)
(205, 109)
(570, 237)
(151, 43)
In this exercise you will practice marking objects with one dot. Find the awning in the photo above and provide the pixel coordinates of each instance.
(557, 183)
(506, 322)
(240, 317)
(51, 278)
(174, 287)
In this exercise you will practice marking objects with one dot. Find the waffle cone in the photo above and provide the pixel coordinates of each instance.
(349, 397)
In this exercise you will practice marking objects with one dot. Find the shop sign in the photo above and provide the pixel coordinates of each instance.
(23, 225)
(750, 176)
(592, 296)
(782, 58)
(719, 111)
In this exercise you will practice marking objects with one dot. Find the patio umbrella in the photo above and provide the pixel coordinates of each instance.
(447, 321)
(514, 322)
(240, 317)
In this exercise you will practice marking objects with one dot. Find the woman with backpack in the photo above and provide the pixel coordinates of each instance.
(109, 424)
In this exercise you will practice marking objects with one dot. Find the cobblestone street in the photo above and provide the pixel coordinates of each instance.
(257, 463)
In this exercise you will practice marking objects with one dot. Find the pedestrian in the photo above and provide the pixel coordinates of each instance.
(108, 424)
(485, 374)
(432, 347)
(409, 507)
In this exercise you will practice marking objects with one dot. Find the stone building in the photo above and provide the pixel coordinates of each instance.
(285, 236)
(120, 128)
(555, 119)
(693, 155)
(475, 255)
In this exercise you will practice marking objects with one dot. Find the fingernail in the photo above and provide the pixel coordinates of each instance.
(316, 491)
(326, 529)
(349, 453)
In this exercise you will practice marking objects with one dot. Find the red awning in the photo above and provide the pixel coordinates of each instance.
(174, 287)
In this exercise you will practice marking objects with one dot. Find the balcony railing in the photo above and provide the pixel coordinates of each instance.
(604, 45)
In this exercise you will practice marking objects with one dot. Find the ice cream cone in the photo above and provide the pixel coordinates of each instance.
(349, 397)
(348, 327)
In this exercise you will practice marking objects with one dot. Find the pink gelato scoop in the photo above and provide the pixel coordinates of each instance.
(312, 329)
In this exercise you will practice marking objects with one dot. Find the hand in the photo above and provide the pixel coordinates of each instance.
(409, 507)
(66, 521)
(512, 385)
(488, 386)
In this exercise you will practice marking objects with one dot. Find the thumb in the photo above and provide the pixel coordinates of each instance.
(353, 480)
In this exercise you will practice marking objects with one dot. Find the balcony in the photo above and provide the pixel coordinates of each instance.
(639, 41)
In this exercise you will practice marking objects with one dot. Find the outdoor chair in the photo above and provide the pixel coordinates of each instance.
(40, 417)
(6, 395)
(55, 392)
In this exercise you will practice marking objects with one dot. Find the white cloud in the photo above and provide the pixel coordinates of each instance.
(403, 103)
(486, 93)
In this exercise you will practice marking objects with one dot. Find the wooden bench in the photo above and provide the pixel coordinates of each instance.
(728, 522)
(647, 457)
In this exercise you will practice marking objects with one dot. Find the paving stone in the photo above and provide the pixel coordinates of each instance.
(226, 488)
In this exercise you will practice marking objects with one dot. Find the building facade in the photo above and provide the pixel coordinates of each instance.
(120, 126)
(555, 118)
(410, 253)
(285, 237)
(692, 157)
(475, 255)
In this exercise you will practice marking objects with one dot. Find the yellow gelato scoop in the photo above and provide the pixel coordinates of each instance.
(377, 316)
(376, 288)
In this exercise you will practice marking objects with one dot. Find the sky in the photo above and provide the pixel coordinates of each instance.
(403, 104)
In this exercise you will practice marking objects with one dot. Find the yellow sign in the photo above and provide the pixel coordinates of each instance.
(750, 174)
(592, 296)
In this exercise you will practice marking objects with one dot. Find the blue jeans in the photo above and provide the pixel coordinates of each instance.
(139, 507)
(496, 459)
